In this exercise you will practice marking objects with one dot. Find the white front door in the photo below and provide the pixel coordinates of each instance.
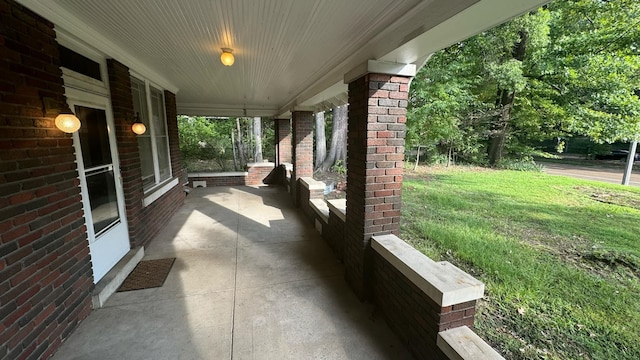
(100, 182)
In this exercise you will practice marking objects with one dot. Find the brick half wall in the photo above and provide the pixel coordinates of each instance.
(418, 297)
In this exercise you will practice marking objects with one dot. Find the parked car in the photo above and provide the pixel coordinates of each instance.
(617, 155)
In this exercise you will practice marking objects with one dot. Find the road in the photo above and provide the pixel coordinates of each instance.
(590, 173)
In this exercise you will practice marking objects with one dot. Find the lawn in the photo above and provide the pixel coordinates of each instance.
(560, 257)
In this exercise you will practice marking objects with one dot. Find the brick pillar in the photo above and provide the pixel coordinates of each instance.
(375, 153)
(283, 141)
(303, 122)
(122, 104)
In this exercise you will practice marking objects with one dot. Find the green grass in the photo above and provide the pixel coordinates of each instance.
(560, 257)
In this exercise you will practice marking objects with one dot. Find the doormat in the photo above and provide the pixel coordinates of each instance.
(148, 274)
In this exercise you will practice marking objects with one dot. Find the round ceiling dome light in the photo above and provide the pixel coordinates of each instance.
(227, 58)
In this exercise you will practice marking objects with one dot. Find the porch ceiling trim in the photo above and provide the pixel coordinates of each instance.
(72, 25)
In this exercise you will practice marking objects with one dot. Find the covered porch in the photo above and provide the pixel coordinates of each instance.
(252, 279)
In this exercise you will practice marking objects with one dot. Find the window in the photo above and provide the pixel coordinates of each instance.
(79, 63)
(153, 145)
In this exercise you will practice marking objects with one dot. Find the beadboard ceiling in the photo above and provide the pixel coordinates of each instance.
(290, 54)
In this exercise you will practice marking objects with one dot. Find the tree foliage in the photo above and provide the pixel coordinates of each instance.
(208, 142)
(571, 68)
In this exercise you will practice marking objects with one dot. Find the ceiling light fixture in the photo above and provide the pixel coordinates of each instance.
(227, 58)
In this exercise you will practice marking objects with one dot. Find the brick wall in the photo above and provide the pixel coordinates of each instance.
(219, 180)
(308, 191)
(144, 222)
(45, 269)
(302, 129)
(375, 153)
(283, 141)
(413, 315)
(334, 235)
(122, 105)
(257, 172)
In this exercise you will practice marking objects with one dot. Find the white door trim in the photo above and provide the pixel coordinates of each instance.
(104, 254)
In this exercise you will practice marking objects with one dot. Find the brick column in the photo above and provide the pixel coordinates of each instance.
(375, 153)
(303, 122)
(283, 141)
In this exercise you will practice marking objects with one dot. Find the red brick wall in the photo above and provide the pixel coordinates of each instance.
(283, 141)
(307, 194)
(413, 315)
(375, 153)
(220, 180)
(122, 105)
(45, 269)
(144, 222)
(257, 173)
(334, 235)
(303, 123)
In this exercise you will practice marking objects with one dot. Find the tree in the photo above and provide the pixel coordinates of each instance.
(338, 146)
(568, 69)
(321, 140)
(257, 136)
(205, 139)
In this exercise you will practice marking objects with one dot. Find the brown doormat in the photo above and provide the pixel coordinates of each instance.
(148, 274)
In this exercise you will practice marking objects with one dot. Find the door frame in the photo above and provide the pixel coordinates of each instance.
(104, 255)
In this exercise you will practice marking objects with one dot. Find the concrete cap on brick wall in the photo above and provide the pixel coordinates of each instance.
(217, 174)
(261, 164)
(443, 282)
(462, 343)
(312, 184)
(338, 207)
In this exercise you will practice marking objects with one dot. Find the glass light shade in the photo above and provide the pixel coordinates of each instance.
(68, 123)
(138, 128)
(227, 58)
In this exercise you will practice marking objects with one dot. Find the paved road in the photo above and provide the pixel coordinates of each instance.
(590, 173)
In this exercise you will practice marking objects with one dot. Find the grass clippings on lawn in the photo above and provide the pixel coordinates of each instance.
(560, 264)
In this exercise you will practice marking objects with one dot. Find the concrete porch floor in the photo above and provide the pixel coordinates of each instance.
(252, 280)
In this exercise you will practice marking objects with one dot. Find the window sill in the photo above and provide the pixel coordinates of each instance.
(156, 193)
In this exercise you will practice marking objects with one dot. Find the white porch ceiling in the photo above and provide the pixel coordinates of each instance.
(290, 54)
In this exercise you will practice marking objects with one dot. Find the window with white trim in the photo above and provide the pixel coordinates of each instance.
(153, 145)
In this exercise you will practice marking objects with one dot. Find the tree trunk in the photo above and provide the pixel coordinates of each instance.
(235, 153)
(504, 103)
(321, 140)
(338, 147)
(498, 133)
(240, 144)
(257, 135)
(629, 168)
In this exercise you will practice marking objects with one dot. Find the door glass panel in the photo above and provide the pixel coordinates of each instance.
(94, 137)
(98, 168)
(102, 197)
